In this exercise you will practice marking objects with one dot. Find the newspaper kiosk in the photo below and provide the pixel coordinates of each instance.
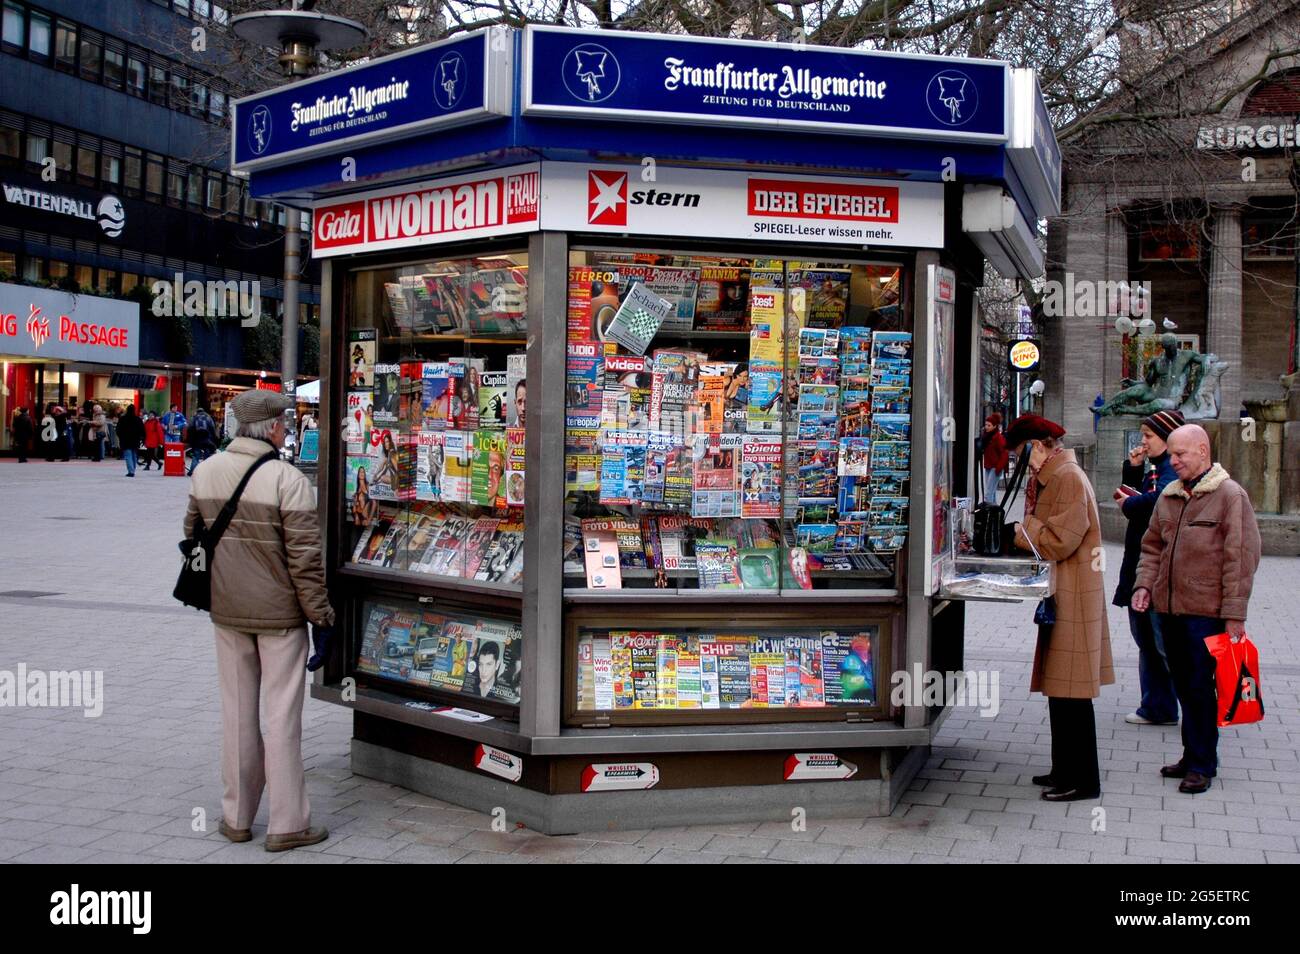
(646, 390)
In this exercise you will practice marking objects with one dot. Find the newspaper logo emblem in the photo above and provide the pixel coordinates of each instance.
(607, 197)
(952, 97)
(591, 73)
(259, 128)
(38, 328)
(449, 84)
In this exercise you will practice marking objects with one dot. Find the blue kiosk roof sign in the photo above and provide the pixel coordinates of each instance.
(651, 77)
(450, 83)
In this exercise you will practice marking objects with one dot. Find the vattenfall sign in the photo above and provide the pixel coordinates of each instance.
(648, 78)
(464, 80)
(43, 323)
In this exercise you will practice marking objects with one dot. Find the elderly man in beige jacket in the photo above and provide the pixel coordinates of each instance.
(268, 581)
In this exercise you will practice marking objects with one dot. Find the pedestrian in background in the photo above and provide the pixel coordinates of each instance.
(173, 423)
(1072, 660)
(154, 439)
(268, 581)
(991, 447)
(1199, 557)
(97, 433)
(1147, 472)
(23, 431)
(130, 434)
(202, 437)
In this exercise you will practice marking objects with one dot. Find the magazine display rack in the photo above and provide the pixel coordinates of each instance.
(636, 500)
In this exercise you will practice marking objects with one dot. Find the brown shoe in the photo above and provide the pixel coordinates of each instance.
(1194, 784)
(297, 839)
(236, 835)
(1177, 770)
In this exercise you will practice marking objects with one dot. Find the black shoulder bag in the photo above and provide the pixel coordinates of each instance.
(990, 518)
(194, 585)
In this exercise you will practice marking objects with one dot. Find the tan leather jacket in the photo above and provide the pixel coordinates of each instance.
(267, 574)
(1200, 552)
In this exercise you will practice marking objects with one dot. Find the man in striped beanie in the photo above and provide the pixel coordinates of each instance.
(1146, 473)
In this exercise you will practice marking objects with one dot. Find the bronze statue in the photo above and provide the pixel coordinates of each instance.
(1183, 379)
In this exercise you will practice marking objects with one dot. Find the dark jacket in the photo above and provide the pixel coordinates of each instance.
(202, 437)
(130, 432)
(23, 430)
(1200, 553)
(1138, 510)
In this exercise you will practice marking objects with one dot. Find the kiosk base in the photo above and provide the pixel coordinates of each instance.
(556, 812)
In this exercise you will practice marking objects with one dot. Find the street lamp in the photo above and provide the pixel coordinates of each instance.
(298, 33)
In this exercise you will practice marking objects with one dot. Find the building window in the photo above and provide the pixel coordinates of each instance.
(32, 269)
(175, 184)
(194, 186)
(134, 171)
(38, 35)
(8, 263)
(214, 192)
(110, 170)
(217, 106)
(63, 156)
(135, 76)
(10, 142)
(84, 275)
(1169, 242)
(129, 281)
(114, 68)
(86, 164)
(232, 196)
(198, 100)
(180, 90)
(92, 58)
(157, 83)
(153, 181)
(1268, 238)
(65, 46)
(13, 25)
(57, 270)
(106, 281)
(38, 147)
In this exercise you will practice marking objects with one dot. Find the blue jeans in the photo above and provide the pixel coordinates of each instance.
(1159, 699)
(1192, 667)
(128, 455)
(197, 456)
(991, 478)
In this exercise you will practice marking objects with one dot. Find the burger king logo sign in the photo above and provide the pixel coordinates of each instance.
(1024, 355)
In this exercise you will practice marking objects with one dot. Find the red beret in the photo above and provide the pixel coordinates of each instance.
(1031, 427)
(995, 419)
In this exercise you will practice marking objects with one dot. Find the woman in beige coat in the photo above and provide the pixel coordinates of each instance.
(1072, 661)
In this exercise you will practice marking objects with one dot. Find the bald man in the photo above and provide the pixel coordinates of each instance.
(1198, 565)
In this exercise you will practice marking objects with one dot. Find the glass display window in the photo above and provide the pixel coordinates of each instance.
(735, 423)
(678, 669)
(433, 431)
(477, 658)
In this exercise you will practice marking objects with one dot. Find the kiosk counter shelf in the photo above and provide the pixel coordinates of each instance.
(634, 489)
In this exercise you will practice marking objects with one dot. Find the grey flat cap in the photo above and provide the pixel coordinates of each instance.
(259, 405)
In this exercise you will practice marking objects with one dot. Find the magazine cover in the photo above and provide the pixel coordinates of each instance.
(488, 469)
(516, 389)
(386, 643)
(464, 399)
(361, 358)
(799, 576)
(600, 551)
(406, 449)
(423, 525)
(803, 672)
(443, 303)
(638, 318)
(760, 477)
(444, 556)
(356, 425)
(710, 690)
(457, 452)
(717, 566)
(715, 461)
(763, 414)
(733, 380)
(477, 543)
(688, 673)
(501, 552)
(497, 299)
(439, 383)
(388, 393)
(659, 446)
(675, 377)
(677, 538)
(733, 670)
(666, 657)
(582, 459)
(767, 672)
(515, 466)
(430, 453)
(722, 300)
(760, 568)
(593, 299)
(622, 466)
(602, 666)
(676, 285)
(625, 400)
(410, 404)
(446, 655)
(847, 669)
(584, 379)
(493, 671)
(384, 464)
(643, 651)
(708, 412)
(828, 296)
(623, 688)
(492, 399)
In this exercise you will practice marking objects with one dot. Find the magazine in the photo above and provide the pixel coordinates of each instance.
(584, 379)
(767, 672)
(387, 643)
(497, 300)
(688, 674)
(387, 393)
(445, 556)
(732, 378)
(710, 690)
(715, 459)
(625, 400)
(488, 468)
(622, 466)
(828, 296)
(716, 564)
(516, 461)
(760, 568)
(593, 300)
(440, 383)
(733, 671)
(356, 425)
(602, 666)
(848, 672)
(477, 543)
(495, 669)
(638, 318)
(369, 550)
(666, 659)
(582, 459)
(760, 477)
(722, 299)
(492, 399)
(516, 389)
(457, 454)
(501, 552)
(676, 285)
(361, 358)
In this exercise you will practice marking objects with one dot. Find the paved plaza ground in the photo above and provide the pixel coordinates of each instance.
(87, 562)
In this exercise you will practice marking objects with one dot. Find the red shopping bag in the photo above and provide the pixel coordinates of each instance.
(1237, 677)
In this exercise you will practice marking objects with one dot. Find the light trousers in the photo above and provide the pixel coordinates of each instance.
(250, 665)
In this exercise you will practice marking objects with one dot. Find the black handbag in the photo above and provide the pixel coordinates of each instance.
(194, 585)
(990, 518)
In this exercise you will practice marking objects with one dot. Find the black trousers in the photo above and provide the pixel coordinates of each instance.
(1074, 744)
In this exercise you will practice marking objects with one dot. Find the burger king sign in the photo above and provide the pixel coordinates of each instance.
(1024, 355)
